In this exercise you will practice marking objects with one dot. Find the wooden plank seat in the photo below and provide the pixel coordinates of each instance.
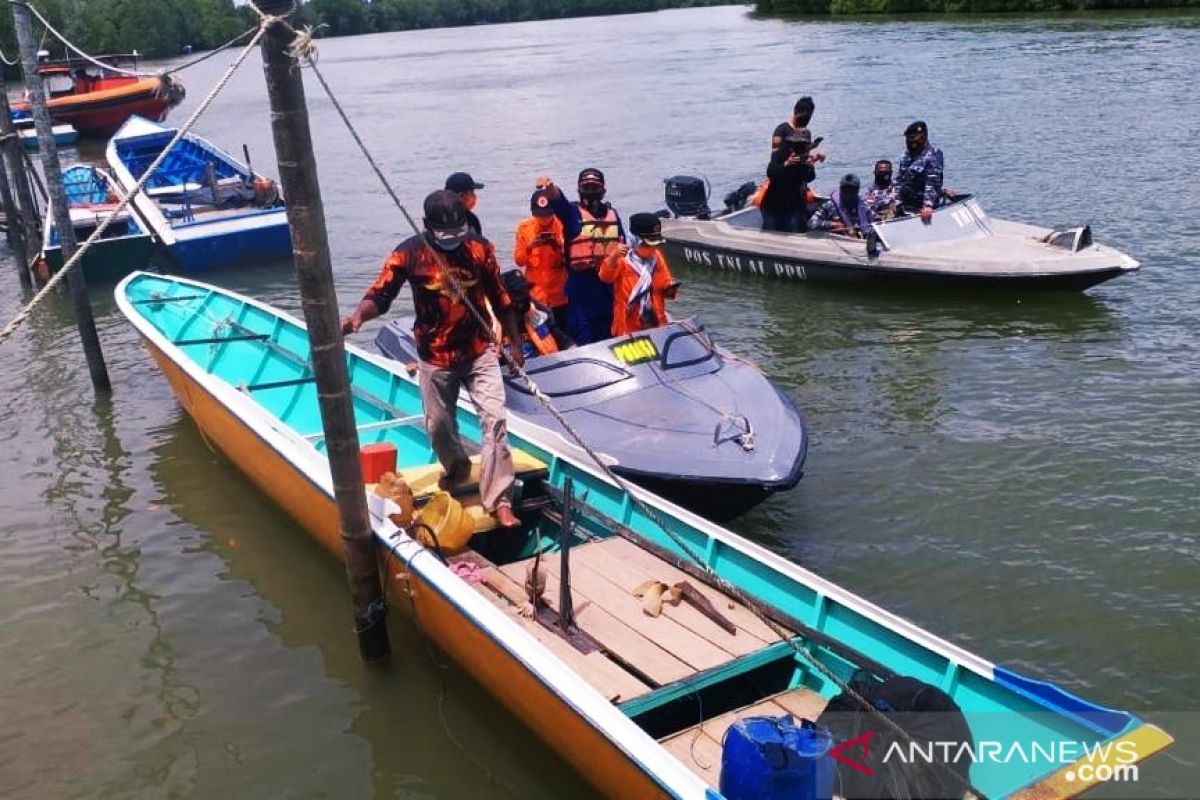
(578, 652)
(699, 747)
(678, 643)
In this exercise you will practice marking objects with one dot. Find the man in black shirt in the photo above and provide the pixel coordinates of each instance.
(785, 204)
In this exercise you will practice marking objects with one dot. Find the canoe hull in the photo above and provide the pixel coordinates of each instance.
(244, 404)
(109, 259)
(264, 237)
(518, 688)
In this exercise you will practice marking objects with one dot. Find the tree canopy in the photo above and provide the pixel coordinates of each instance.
(160, 28)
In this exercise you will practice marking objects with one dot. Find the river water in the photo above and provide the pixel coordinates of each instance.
(1016, 473)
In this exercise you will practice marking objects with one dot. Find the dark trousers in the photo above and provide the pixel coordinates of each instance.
(785, 221)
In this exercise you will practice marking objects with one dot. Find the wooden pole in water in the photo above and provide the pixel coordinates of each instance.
(23, 23)
(15, 228)
(310, 245)
(24, 214)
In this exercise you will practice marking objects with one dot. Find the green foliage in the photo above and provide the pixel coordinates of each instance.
(158, 28)
(847, 7)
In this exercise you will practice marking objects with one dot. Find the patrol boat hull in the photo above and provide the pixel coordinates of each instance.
(960, 247)
(668, 409)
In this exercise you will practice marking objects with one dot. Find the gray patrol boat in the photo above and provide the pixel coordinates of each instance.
(960, 246)
(666, 408)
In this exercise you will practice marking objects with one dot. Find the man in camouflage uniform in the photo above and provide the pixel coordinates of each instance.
(919, 182)
(881, 197)
(844, 212)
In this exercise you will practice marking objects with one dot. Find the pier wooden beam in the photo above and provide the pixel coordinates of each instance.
(310, 245)
(15, 229)
(24, 222)
(23, 22)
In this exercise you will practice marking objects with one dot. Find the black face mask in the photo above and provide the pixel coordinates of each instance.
(883, 179)
(849, 198)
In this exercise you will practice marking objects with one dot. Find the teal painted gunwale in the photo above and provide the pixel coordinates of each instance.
(997, 711)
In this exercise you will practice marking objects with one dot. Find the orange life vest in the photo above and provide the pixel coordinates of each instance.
(597, 238)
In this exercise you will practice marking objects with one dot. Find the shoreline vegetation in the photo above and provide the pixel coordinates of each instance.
(837, 8)
(166, 28)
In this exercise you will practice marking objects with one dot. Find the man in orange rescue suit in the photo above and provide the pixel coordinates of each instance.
(592, 230)
(640, 276)
(539, 249)
(454, 349)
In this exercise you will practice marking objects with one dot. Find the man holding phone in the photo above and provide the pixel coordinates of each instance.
(641, 281)
(785, 202)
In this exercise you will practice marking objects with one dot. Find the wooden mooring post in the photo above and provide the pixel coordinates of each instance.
(15, 229)
(23, 23)
(24, 224)
(310, 245)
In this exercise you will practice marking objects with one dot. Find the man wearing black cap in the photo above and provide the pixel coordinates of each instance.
(592, 230)
(784, 205)
(448, 266)
(640, 278)
(463, 185)
(844, 211)
(539, 249)
(919, 176)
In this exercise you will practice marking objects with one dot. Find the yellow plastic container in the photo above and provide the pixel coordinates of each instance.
(451, 524)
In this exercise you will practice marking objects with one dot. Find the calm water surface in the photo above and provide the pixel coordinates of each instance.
(1017, 473)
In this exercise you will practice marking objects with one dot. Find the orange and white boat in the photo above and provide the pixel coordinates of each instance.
(97, 100)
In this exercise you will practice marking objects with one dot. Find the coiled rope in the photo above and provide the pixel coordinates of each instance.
(58, 277)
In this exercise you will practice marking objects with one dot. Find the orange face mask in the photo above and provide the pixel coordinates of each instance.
(469, 199)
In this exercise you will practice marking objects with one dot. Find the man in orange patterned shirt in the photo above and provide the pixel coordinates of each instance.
(454, 349)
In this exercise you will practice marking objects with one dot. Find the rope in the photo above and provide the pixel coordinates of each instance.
(7, 61)
(207, 56)
(59, 276)
(70, 45)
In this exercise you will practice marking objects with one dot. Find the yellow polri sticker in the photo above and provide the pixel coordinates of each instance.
(635, 351)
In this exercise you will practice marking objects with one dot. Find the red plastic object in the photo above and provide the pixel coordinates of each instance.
(377, 459)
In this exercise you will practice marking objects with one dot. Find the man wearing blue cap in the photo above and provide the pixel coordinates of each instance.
(463, 185)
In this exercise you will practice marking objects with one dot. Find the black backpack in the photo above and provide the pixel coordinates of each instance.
(925, 713)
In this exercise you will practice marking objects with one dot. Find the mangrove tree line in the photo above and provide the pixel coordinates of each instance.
(159, 28)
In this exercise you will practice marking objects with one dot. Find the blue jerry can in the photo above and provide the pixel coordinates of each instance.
(772, 758)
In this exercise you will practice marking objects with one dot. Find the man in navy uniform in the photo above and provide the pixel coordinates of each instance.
(919, 177)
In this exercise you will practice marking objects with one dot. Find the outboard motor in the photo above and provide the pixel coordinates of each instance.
(687, 196)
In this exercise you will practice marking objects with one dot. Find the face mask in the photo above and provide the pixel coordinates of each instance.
(883, 179)
(448, 239)
(469, 200)
(849, 198)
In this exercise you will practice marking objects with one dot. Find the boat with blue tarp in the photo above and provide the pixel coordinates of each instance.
(669, 629)
(206, 208)
(92, 195)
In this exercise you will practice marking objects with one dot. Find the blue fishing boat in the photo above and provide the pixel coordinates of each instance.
(64, 135)
(680, 631)
(204, 206)
(92, 195)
